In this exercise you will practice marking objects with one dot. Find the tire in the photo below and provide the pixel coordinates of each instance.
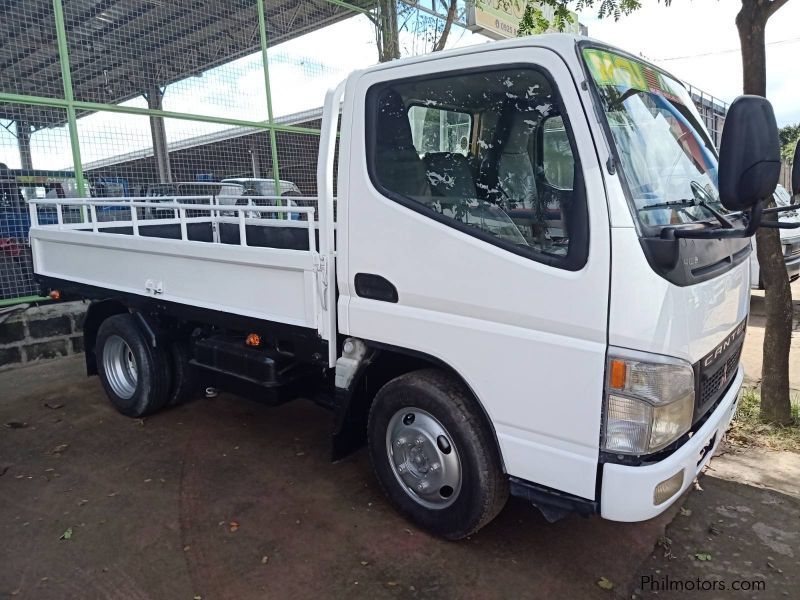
(185, 379)
(455, 501)
(135, 376)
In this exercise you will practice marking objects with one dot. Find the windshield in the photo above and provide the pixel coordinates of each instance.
(668, 160)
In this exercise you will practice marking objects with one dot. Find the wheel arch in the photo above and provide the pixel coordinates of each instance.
(383, 363)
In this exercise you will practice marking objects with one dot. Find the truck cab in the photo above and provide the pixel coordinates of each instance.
(524, 286)
(523, 252)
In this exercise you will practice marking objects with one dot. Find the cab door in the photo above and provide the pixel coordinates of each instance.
(474, 218)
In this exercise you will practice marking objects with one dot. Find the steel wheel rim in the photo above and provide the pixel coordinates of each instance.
(423, 458)
(119, 365)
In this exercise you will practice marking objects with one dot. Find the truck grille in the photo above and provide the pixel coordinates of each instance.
(713, 385)
(715, 372)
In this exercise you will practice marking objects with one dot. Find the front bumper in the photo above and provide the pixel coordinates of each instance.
(627, 491)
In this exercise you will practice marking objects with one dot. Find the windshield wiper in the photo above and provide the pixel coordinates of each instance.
(683, 203)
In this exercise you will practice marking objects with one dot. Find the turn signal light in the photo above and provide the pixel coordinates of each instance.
(668, 488)
(253, 339)
(616, 379)
(55, 295)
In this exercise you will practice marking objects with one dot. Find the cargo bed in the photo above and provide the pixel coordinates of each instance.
(255, 261)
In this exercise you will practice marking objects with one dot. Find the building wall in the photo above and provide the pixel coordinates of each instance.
(31, 333)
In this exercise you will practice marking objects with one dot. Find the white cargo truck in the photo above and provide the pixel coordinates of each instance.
(528, 292)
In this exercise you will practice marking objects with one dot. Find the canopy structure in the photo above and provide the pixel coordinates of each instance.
(117, 50)
(120, 49)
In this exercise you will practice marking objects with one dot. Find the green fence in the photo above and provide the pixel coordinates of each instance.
(111, 98)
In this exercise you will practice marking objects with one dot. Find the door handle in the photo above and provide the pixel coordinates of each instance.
(375, 287)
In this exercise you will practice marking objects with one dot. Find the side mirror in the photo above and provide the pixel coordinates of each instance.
(750, 154)
(796, 172)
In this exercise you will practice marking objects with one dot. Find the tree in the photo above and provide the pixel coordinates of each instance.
(751, 22)
(775, 401)
(387, 33)
(789, 134)
(534, 19)
(432, 27)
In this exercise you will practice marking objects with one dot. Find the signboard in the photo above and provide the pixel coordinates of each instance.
(499, 19)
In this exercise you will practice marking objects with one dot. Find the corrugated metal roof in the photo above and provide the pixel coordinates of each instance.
(121, 48)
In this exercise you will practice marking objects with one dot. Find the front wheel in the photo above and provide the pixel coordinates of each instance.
(434, 456)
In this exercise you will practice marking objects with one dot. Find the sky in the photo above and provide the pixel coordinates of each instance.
(696, 40)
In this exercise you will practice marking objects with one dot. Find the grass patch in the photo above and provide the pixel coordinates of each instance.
(747, 430)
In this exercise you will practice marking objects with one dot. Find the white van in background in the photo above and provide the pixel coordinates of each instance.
(256, 189)
(260, 187)
(790, 242)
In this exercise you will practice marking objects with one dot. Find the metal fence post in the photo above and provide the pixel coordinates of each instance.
(66, 78)
(273, 141)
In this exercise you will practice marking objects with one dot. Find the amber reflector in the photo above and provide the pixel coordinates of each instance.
(253, 339)
(617, 377)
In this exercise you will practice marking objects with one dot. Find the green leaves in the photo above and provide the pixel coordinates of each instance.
(789, 136)
(605, 583)
(534, 19)
(702, 556)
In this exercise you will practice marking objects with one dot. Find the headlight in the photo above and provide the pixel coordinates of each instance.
(649, 402)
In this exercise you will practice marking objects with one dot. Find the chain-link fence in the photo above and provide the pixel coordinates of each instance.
(120, 98)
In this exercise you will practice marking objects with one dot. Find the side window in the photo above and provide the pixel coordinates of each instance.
(557, 160)
(439, 130)
(490, 153)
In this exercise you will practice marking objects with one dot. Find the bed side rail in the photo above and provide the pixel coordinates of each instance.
(110, 213)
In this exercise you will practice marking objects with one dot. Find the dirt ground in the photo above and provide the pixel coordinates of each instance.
(752, 352)
(741, 530)
(224, 498)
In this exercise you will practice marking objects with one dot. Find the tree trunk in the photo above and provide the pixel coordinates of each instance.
(386, 31)
(448, 25)
(775, 403)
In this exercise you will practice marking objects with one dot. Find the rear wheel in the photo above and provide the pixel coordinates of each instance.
(135, 375)
(434, 456)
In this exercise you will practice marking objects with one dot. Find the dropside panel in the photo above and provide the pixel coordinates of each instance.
(234, 280)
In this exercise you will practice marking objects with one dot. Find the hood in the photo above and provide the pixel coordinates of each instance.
(650, 314)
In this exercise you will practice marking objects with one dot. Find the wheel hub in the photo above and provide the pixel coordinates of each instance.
(423, 458)
(119, 365)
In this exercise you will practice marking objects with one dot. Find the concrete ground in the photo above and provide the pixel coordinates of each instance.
(225, 498)
(738, 536)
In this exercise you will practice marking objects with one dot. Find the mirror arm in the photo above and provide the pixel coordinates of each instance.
(779, 209)
(777, 225)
